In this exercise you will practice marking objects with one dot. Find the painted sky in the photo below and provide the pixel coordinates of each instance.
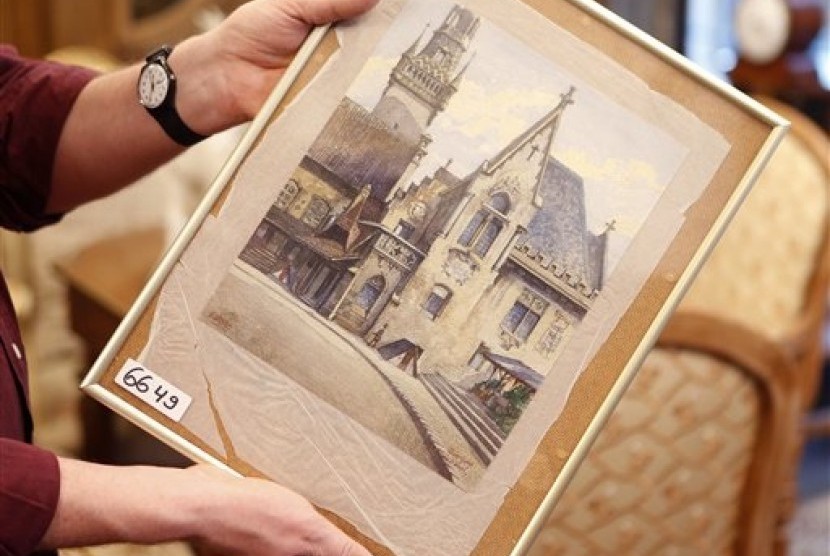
(626, 162)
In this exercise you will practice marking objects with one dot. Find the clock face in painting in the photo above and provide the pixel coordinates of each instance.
(762, 28)
(418, 211)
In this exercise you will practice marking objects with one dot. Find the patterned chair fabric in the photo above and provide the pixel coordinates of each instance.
(699, 456)
(665, 474)
(762, 266)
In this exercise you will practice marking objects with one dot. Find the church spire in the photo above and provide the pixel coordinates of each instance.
(413, 50)
(426, 76)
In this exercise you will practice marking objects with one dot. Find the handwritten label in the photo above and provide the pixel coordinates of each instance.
(146, 385)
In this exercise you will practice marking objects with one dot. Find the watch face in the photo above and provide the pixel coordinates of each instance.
(153, 85)
(762, 28)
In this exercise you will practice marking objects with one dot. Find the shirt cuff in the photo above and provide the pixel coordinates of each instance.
(29, 492)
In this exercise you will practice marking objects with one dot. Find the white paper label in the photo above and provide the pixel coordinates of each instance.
(146, 385)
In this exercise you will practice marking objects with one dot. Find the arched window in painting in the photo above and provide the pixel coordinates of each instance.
(485, 226)
(316, 213)
(437, 301)
(473, 227)
(525, 314)
(370, 292)
(500, 202)
(287, 195)
(486, 239)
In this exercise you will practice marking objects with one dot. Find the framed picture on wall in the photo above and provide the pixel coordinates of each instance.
(420, 284)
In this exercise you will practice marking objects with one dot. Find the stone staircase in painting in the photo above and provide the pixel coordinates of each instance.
(467, 414)
(259, 258)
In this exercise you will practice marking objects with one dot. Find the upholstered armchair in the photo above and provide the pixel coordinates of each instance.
(700, 455)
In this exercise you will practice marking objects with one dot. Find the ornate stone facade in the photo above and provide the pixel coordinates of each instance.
(491, 268)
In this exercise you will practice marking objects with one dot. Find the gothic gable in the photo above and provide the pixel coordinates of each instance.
(528, 154)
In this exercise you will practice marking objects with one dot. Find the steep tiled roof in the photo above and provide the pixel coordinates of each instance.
(558, 232)
(361, 149)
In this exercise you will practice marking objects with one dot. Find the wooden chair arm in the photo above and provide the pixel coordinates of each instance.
(769, 489)
(765, 360)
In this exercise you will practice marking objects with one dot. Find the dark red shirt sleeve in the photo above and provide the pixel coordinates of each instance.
(35, 100)
(29, 490)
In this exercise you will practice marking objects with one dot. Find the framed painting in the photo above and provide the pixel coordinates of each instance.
(428, 272)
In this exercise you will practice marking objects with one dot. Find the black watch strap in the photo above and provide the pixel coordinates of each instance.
(166, 113)
(172, 124)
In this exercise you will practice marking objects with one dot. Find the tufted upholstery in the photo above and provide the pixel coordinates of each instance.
(699, 456)
(770, 247)
(674, 454)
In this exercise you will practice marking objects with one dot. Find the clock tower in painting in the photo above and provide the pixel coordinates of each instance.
(427, 76)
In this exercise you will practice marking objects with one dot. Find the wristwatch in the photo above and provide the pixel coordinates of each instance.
(157, 93)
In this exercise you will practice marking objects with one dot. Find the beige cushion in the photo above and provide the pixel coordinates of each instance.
(759, 271)
(665, 475)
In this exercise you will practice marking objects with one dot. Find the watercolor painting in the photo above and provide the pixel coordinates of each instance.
(443, 237)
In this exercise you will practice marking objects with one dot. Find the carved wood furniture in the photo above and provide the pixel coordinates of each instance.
(701, 453)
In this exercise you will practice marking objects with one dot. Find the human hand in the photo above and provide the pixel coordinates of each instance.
(248, 53)
(254, 517)
(222, 515)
